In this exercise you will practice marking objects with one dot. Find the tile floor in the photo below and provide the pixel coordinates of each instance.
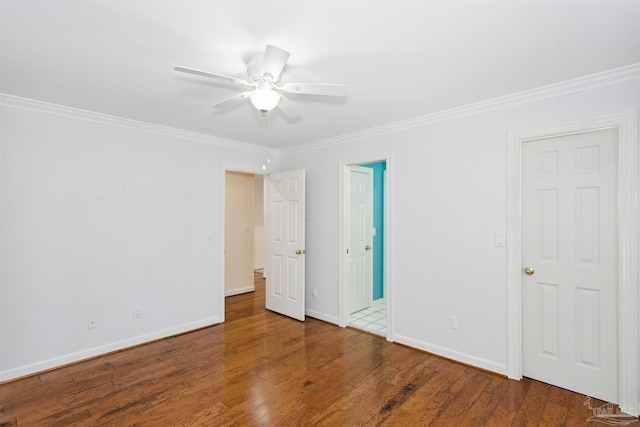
(372, 319)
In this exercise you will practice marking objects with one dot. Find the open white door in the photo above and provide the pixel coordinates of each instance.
(285, 243)
(360, 246)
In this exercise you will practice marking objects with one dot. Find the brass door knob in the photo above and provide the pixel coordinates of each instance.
(367, 248)
(528, 271)
(299, 251)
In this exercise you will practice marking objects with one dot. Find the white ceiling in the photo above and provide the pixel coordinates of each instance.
(401, 60)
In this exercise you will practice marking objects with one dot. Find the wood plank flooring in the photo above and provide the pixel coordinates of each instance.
(263, 369)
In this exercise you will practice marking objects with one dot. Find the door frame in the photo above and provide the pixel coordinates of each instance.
(343, 232)
(627, 213)
(223, 219)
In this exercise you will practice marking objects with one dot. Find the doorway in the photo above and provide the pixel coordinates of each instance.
(569, 282)
(624, 128)
(276, 251)
(367, 264)
(243, 231)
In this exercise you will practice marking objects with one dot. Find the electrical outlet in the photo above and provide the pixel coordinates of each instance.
(92, 323)
(453, 321)
(137, 312)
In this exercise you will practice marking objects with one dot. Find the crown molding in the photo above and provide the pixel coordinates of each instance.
(582, 83)
(75, 113)
(575, 85)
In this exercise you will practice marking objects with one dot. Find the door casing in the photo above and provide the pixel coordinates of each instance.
(343, 272)
(626, 124)
(223, 257)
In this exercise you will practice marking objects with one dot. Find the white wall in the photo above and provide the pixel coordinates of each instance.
(100, 215)
(448, 197)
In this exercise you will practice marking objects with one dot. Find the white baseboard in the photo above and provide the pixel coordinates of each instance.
(321, 316)
(239, 291)
(89, 353)
(457, 356)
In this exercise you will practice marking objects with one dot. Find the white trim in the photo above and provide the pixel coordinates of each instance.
(453, 354)
(101, 350)
(239, 291)
(388, 251)
(627, 125)
(75, 113)
(582, 83)
(222, 243)
(321, 316)
(343, 208)
(343, 267)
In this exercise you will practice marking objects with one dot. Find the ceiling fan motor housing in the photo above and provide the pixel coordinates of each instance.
(254, 70)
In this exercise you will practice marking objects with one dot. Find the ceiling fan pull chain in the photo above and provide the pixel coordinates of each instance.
(268, 135)
(265, 136)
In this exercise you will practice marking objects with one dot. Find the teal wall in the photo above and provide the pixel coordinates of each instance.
(378, 224)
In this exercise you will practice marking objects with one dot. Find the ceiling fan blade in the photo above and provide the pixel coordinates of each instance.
(213, 75)
(273, 62)
(289, 109)
(231, 100)
(316, 89)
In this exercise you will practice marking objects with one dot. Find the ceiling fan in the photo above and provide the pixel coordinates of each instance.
(264, 73)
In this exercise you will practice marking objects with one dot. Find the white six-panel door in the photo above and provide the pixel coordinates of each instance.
(360, 247)
(285, 241)
(569, 242)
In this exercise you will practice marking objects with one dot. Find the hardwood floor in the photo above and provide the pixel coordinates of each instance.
(263, 369)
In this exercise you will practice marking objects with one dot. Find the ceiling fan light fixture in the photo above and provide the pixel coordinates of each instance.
(264, 72)
(265, 99)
